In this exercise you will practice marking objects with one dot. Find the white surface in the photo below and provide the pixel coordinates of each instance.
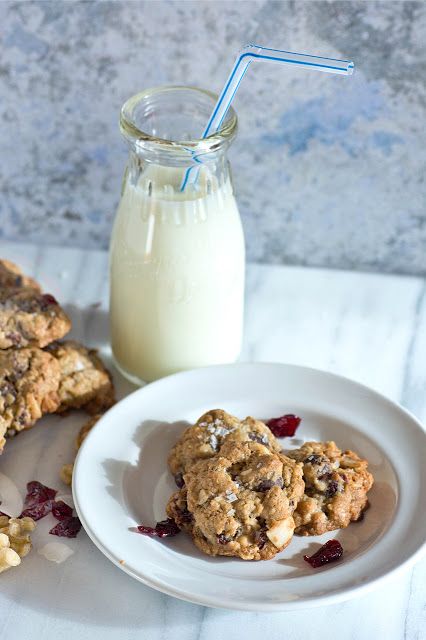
(369, 327)
(127, 483)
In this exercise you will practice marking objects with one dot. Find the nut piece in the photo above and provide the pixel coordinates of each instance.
(8, 557)
(66, 473)
(281, 532)
(15, 540)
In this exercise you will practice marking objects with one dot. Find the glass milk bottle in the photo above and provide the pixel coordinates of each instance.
(177, 247)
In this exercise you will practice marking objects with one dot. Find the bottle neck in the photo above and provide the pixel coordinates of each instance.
(166, 177)
(162, 126)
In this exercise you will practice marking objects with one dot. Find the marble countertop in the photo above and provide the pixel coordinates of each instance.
(369, 327)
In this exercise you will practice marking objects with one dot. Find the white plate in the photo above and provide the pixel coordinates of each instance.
(121, 480)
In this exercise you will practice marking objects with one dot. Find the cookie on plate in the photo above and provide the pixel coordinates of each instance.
(84, 382)
(29, 318)
(205, 438)
(29, 380)
(12, 276)
(240, 502)
(336, 486)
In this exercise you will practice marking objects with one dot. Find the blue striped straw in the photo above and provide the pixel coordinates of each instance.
(246, 56)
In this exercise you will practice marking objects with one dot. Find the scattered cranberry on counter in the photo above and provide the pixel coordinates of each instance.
(67, 528)
(61, 510)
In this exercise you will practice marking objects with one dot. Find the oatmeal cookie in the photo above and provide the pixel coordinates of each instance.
(29, 318)
(29, 380)
(205, 438)
(12, 276)
(85, 382)
(239, 502)
(336, 486)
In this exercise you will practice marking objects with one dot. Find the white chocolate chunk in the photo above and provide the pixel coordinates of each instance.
(56, 552)
(281, 533)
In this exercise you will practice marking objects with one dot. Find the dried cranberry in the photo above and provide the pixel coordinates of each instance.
(37, 510)
(285, 426)
(61, 510)
(329, 552)
(67, 528)
(49, 299)
(222, 539)
(164, 529)
(148, 531)
(37, 493)
(38, 501)
(331, 489)
(179, 480)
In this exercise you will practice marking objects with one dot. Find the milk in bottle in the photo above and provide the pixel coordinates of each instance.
(177, 255)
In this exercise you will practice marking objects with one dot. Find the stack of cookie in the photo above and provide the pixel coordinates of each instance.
(38, 374)
(241, 495)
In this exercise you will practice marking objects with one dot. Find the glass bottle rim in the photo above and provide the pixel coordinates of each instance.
(197, 146)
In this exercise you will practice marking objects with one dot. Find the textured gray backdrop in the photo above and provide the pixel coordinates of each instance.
(329, 170)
